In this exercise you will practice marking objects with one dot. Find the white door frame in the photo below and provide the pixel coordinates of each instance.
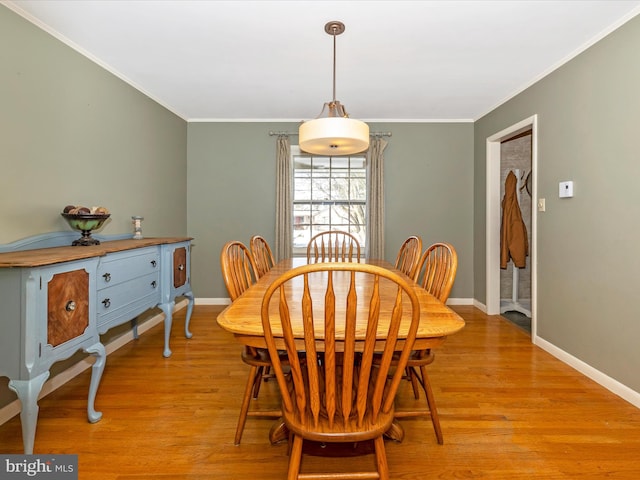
(493, 216)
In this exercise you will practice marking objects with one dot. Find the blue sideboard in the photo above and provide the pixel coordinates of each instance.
(57, 299)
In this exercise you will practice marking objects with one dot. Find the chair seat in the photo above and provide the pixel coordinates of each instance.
(257, 357)
(338, 432)
(419, 358)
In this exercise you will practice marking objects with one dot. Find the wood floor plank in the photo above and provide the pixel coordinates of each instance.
(508, 410)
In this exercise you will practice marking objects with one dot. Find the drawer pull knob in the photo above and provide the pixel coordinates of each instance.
(107, 277)
(106, 302)
(153, 263)
(71, 306)
(180, 267)
(154, 284)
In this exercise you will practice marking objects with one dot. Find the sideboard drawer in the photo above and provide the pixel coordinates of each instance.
(126, 300)
(123, 266)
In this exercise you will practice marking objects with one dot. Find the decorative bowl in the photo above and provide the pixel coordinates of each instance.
(85, 223)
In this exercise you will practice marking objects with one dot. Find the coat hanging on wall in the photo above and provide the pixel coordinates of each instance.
(514, 242)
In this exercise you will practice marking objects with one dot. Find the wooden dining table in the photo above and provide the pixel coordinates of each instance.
(243, 317)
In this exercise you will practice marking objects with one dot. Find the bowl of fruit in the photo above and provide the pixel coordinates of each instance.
(85, 220)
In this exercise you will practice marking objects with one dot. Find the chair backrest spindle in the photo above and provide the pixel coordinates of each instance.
(333, 246)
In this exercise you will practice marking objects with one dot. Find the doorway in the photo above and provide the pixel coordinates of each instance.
(515, 282)
(514, 300)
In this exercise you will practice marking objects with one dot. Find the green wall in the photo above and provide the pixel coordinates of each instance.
(588, 269)
(231, 191)
(73, 133)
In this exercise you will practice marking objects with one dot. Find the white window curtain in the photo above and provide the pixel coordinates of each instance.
(375, 198)
(284, 199)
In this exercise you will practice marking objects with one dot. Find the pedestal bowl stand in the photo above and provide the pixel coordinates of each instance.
(85, 223)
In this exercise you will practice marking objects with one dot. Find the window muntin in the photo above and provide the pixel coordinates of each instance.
(330, 193)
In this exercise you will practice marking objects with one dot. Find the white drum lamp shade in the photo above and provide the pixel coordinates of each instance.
(331, 136)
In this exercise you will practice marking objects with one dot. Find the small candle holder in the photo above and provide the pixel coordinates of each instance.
(137, 227)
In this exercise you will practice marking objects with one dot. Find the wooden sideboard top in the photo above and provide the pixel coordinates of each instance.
(49, 256)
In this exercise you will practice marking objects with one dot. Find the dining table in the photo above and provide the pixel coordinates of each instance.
(243, 317)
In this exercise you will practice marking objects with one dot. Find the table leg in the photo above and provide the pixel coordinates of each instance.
(395, 432)
(279, 432)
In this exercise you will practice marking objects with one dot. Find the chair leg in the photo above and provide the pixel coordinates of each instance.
(257, 381)
(431, 402)
(381, 458)
(295, 458)
(289, 443)
(412, 374)
(245, 404)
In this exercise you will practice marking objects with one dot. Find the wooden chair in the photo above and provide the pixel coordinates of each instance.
(343, 397)
(436, 273)
(409, 256)
(333, 246)
(437, 269)
(261, 254)
(239, 273)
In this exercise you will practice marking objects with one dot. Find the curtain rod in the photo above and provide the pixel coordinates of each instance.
(371, 134)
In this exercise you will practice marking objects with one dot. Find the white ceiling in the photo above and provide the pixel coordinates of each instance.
(272, 60)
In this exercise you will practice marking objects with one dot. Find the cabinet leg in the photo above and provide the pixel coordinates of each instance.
(98, 351)
(28, 392)
(134, 328)
(187, 333)
(167, 309)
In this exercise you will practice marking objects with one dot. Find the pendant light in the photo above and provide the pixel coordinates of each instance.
(333, 132)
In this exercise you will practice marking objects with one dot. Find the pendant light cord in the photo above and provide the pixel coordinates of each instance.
(334, 63)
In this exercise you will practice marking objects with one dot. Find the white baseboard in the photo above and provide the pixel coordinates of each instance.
(12, 409)
(460, 301)
(597, 376)
(480, 306)
(587, 370)
(213, 301)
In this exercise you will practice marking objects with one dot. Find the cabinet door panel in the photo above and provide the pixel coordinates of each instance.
(179, 267)
(67, 306)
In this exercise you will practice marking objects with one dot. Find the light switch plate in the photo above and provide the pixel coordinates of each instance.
(566, 189)
(541, 205)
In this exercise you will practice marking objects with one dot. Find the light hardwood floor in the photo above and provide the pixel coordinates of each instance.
(508, 410)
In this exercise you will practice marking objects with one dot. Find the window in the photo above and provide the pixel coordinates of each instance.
(330, 193)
